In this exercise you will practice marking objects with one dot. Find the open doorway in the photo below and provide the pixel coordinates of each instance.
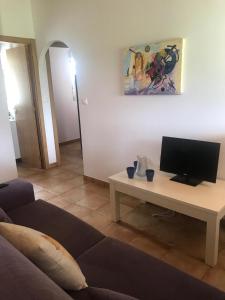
(61, 71)
(16, 64)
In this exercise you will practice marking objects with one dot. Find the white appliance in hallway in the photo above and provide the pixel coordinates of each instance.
(15, 139)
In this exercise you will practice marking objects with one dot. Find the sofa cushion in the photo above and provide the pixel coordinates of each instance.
(21, 280)
(92, 293)
(16, 194)
(47, 254)
(75, 235)
(4, 217)
(114, 265)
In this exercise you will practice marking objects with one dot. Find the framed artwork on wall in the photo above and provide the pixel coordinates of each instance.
(154, 68)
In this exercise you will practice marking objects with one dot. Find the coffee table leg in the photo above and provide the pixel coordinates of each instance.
(115, 203)
(212, 241)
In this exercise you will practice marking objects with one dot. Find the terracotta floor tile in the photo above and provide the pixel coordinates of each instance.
(78, 181)
(175, 231)
(48, 182)
(61, 187)
(93, 201)
(58, 186)
(221, 259)
(36, 178)
(191, 243)
(65, 175)
(186, 263)
(97, 189)
(58, 202)
(56, 170)
(74, 195)
(24, 171)
(75, 168)
(141, 218)
(67, 158)
(106, 210)
(79, 211)
(97, 220)
(129, 201)
(120, 232)
(44, 195)
(150, 247)
(65, 161)
(37, 188)
(79, 170)
(216, 277)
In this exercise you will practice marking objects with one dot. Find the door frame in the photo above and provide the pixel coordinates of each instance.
(53, 110)
(33, 69)
(59, 44)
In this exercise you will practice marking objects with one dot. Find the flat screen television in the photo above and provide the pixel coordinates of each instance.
(193, 161)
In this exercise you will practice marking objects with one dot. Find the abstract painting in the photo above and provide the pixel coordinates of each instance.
(152, 69)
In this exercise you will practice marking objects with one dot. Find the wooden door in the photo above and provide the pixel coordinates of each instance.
(25, 111)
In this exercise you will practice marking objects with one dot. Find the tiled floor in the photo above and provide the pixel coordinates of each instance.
(178, 240)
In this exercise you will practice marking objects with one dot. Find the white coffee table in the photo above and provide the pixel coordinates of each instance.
(205, 202)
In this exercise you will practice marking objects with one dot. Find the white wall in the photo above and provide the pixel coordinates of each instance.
(115, 127)
(16, 18)
(64, 94)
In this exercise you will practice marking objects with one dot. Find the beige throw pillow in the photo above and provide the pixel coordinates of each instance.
(47, 254)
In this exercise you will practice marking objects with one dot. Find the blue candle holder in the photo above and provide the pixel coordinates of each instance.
(150, 174)
(130, 172)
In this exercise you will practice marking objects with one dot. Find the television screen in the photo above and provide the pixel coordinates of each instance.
(191, 160)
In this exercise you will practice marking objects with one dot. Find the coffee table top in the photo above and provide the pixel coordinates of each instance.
(209, 196)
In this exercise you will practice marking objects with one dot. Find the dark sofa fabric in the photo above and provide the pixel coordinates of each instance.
(75, 235)
(114, 265)
(16, 194)
(107, 264)
(4, 217)
(92, 293)
(21, 280)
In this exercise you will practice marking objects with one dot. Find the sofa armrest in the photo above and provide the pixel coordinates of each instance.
(16, 194)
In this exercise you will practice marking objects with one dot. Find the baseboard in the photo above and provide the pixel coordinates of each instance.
(69, 142)
(88, 179)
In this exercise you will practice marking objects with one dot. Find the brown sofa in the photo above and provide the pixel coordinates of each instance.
(114, 270)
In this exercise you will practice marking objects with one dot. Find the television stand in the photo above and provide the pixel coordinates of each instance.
(185, 179)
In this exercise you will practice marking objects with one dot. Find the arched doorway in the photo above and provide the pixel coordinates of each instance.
(61, 105)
